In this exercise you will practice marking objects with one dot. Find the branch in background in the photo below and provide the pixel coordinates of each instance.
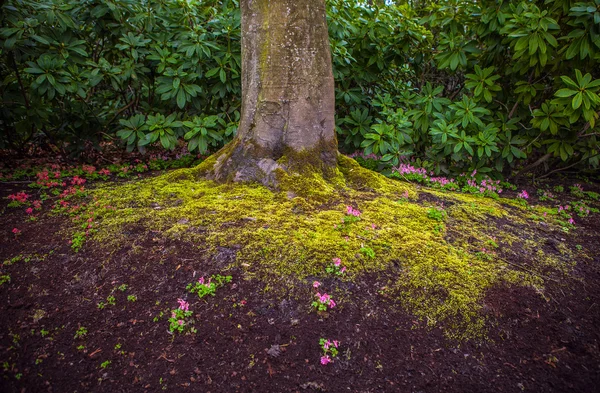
(540, 161)
(119, 112)
(567, 167)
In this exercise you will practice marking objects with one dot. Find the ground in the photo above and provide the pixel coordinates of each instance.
(443, 292)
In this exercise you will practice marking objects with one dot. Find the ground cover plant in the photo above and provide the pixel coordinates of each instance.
(371, 283)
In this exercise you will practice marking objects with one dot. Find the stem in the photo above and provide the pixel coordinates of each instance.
(541, 160)
(23, 92)
(567, 167)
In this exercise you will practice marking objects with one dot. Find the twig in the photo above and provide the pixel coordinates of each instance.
(567, 167)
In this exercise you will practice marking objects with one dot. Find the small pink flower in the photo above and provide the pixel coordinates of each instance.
(16, 231)
(183, 305)
(336, 343)
(373, 226)
(331, 303)
(201, 280)
(337, 261)
(325, 360)
(173, 315)
(523, 194)
(343, 269)
(180, 322)
(316, 284)
(571, 221)
(326, 344)
(29, 210)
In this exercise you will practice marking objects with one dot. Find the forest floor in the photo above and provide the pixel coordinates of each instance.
(96, 320)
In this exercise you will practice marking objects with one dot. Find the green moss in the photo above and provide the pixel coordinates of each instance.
(291, 234)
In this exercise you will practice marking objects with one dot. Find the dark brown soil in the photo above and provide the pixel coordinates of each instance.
(247, 341)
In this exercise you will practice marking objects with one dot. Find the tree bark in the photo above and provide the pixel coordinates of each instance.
(287, 118)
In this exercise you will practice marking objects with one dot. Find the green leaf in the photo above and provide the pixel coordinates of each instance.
(576, 103)
(565, 93)
(181, 98)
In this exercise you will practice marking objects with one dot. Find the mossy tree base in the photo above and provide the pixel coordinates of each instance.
(434, 268)
(248, 163)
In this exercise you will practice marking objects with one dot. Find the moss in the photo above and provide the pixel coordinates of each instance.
(436, 273)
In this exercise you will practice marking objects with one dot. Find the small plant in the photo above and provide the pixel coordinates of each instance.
(208, 287)
(577, 190)
(118, 346)
(404, 197)
(484, 254)
(81, 332)
(44, 332)
(110, 301)
(323, 302)
(122, 287)
(437, 213)
(545, 195)
(352, 215)
(77, 241)
(4, 279)
(158, 317)
(80, 347)
(131, 298)
(558, 189)
(523, 195)
(105, 364)
(177, 322)
(367, 252)
(329, 350)
(336, 267)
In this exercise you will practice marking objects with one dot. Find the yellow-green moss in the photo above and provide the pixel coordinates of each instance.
(439, 277)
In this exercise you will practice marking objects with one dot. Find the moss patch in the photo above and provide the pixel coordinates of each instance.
(436, 268)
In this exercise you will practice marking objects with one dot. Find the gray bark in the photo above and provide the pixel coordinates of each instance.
(287, 118)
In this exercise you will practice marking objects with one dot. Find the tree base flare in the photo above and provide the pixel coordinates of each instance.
(241, 162)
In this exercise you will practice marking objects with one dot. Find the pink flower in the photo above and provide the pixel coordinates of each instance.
(571, 221)
(183, 305)
(316, 284)
(373, 226)
(337, 261)
(336, 343)
(343, 269)
(326, 344)
(331, 303)
(16, 231)
(523, 194)
(352, 212)
(180, 322)
(325, 360)
(173, 315)
(201, 280)
(29, 210)
(37, 204)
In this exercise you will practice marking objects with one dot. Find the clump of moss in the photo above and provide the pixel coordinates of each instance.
(297, 231)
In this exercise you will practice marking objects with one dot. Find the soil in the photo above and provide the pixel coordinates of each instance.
(249, 341)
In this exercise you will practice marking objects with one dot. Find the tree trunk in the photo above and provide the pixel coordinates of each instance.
(287, 119)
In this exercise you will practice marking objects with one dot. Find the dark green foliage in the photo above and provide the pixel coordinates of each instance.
(458, 85)
(77, 72)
